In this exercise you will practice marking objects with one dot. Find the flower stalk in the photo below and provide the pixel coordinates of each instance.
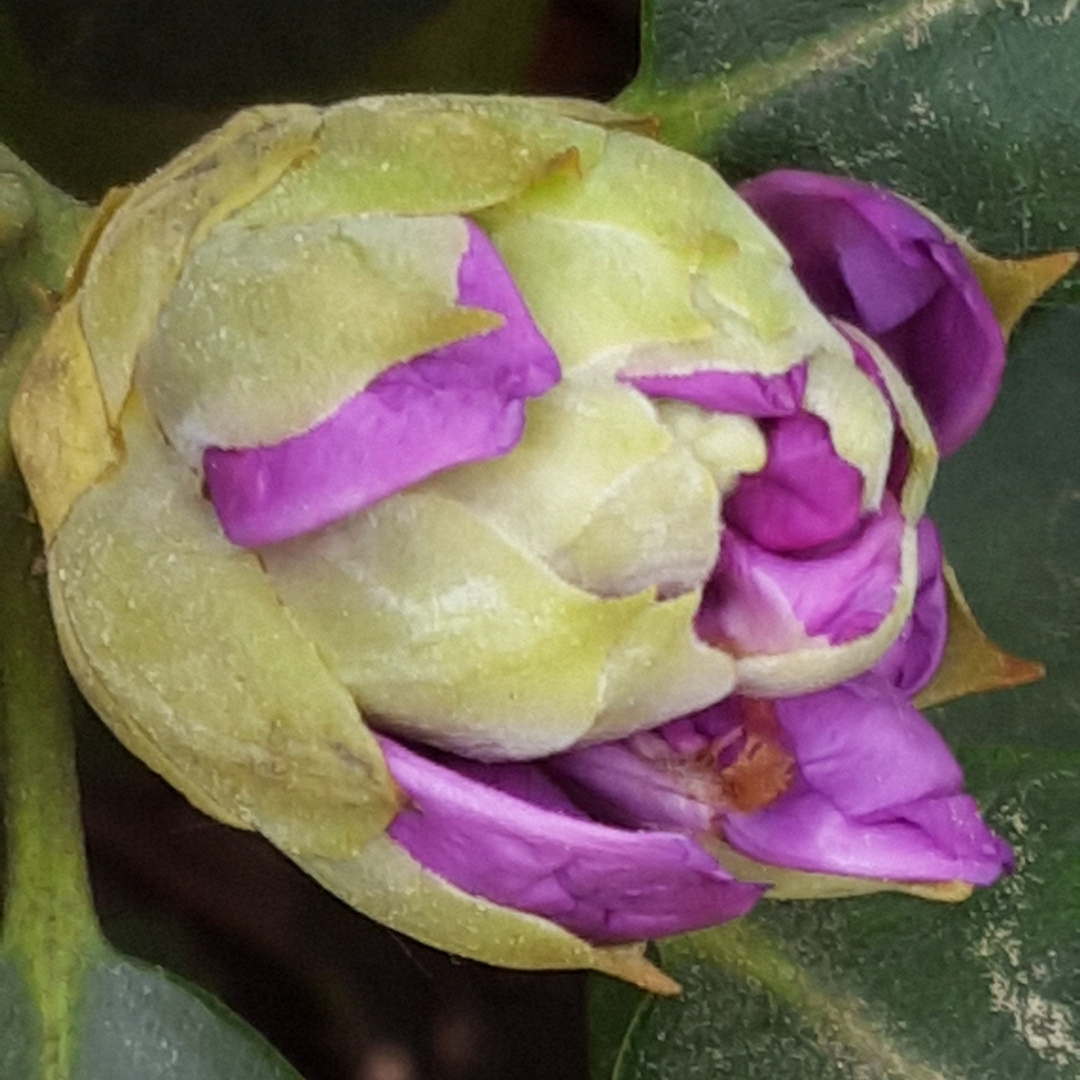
(50, 930)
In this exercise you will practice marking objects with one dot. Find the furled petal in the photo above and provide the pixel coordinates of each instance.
(625, 783)
(874, 791)
(865, 747)
(806, 832)
(759, 601)
(746, 393)
(914, 656)
(507, 834)
(806, 495)
(878, 795)
(870, 258)
(458, 403)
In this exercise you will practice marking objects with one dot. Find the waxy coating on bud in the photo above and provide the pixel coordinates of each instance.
(472, 496)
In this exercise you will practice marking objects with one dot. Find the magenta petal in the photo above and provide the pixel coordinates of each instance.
(913, 657)
(865, 747)
(878, 794)
(875, 793)
(806, 832)
(485, 835)
(805, 496)
(620, 784)
(758, 601)
(953, 354)
(462, 402)
(870, 258)
(759, 396)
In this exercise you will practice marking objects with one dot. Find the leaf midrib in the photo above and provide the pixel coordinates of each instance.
(692, 114)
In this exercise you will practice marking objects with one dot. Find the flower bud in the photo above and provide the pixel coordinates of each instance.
(418, 448)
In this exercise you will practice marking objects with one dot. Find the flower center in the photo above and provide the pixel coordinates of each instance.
(762, 769)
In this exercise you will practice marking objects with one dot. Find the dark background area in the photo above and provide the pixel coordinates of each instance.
(99, 92)
(95, 93)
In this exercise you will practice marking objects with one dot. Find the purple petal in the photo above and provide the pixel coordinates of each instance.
(867, 256)
(953, 354)
(805, 496)
(806, 832)
(878, 795)
(759, 601)
(685, 774)
(509, 838)
(621, 784)
(911, 660)
(459, 403)
(875, 793)
(865, 747)
(758, 396)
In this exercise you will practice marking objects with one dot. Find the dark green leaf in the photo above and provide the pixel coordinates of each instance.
(140, 1023)
(612, 1007)
(20, 1028)
(968, 106)
(1008, 506)
(132, 1022)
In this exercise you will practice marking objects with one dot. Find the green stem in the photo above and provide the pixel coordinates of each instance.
(49, 925)
(50, 930)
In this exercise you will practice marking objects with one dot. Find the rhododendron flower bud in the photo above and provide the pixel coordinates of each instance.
(395, 456)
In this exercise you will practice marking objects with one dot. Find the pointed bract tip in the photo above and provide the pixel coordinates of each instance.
(972, 663)
(1013, 285)
(629, 963)
(945, 892)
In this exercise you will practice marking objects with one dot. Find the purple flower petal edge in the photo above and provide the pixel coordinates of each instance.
(911, 660)
(758, 396)
(866, 256)
(507, 833)
(459, 403)
(805, 496)
(874, 791)
(759, 601)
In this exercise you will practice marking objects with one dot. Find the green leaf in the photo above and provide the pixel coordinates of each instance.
(889, 986)
(131, 1022)
(20, 1026)
(967, 106)
(1008, 505)
(612, 1006)
(141, 1023)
